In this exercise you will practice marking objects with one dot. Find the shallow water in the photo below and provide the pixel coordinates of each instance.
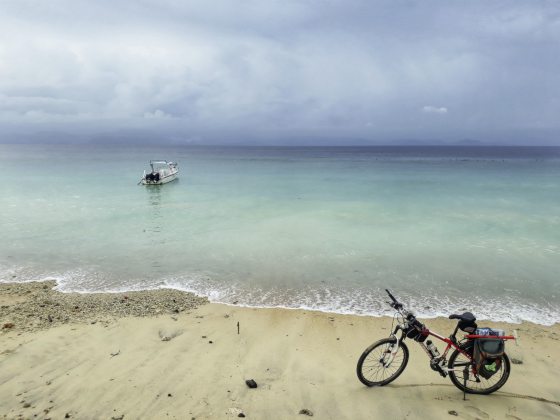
(321, 228)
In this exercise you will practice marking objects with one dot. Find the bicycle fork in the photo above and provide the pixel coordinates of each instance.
(390, 354)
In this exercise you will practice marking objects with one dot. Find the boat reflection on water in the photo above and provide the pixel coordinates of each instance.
(154, 228)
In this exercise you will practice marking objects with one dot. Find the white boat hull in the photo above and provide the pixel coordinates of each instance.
(162, 173)
(161, 181)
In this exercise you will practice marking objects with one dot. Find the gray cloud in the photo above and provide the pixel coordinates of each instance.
(434, 109)
(334, 71)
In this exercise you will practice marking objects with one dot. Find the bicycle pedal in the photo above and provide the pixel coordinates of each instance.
(436, 367)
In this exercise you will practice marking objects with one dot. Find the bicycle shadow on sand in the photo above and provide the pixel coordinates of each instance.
(474, 406)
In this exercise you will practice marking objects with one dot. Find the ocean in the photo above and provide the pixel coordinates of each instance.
(447, 229)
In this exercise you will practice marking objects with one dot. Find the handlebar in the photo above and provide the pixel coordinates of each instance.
(396, 304)
(407, 315)
(391, 296)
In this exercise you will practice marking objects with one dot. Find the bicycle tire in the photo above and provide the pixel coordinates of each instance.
(371, 363)
(477, 385)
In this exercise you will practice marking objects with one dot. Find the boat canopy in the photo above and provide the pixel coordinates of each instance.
(160, 164)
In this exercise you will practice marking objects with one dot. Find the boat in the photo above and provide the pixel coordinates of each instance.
(162, 173)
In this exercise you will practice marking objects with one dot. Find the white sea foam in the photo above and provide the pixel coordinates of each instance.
(326, 299)
(370, 303)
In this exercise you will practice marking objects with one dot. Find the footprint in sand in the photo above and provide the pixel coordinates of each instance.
(168, 335)
(477, 412)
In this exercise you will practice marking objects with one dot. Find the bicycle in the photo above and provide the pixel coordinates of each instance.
(471, 369)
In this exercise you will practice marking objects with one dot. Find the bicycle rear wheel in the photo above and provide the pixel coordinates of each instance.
(372, 366)
(476, 384)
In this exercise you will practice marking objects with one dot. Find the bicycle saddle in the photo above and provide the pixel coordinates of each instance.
(467, 317)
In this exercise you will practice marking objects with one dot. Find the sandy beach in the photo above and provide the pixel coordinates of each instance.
(168, 354)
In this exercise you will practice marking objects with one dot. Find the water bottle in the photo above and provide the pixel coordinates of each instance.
(432, 349)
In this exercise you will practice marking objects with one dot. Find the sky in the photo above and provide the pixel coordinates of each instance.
(280, 71)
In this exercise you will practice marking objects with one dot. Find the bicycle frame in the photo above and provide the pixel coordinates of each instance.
(450, 344)
(446, 340)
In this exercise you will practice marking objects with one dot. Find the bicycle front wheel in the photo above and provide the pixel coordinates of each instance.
(476, 384)
(375, 367)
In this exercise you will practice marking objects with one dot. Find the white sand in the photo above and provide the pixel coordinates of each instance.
(300, 360)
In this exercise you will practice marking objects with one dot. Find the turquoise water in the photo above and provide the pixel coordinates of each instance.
(320, 228)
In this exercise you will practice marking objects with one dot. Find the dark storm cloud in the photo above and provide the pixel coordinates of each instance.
(330, 71)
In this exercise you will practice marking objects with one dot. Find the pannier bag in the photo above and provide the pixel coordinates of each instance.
(487, 356)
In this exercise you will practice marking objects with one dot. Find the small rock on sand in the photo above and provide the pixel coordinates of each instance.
(306, 412)
(453, 413)
(251, 383)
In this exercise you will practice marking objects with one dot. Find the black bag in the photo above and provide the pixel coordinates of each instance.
(417, 332)
(467, 326)
(467, 323)
(487, 356)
